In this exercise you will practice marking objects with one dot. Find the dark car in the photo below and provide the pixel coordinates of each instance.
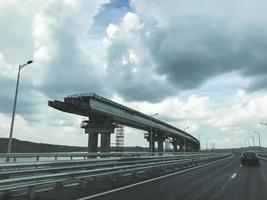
(249, 158)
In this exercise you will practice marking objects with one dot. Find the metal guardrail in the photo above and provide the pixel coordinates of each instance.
(262, 155)
(22, 157)
(16, 157)
(28, 176)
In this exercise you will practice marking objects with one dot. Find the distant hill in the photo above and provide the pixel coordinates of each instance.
(19, 146)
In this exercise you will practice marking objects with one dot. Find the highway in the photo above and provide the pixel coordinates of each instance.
(223, 180)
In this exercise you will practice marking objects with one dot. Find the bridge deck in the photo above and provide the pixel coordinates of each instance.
(97, 107)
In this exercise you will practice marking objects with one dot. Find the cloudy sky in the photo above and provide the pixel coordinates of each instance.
(199, 64)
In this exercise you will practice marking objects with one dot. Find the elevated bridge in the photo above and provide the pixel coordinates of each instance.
(105, 115)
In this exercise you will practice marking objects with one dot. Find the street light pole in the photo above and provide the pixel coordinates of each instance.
(184, 138)
(199, 135)
(207, 143)
(151, 134)
(248, 142)
(253, 141)
(259, 137)
(14, 107)
(265, 124)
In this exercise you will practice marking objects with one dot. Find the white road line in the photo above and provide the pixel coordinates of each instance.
(233, 176)
(149, 180)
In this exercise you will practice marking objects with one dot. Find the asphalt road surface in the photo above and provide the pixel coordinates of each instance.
(224, 180)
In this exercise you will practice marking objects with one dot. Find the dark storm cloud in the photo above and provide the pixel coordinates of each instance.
(15, 31)
(143, 91)
(27, 100)
(181, 54)
(69, 73)
(195, 49)
(187, 54)
(64, 68)
(70, 69)
(259, 83)
(192, 44)
(139, 86)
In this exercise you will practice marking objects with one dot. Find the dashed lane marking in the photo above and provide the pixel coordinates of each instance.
(233, 176)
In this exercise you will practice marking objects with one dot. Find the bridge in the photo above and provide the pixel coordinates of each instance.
(105, 115)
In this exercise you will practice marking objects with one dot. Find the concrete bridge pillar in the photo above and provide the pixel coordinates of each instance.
(187, 147)
(192, 147)
(105, 142)
(175, 143)
(92, 142)
(152, 145)
(160, 144)
(93, 128)
(151, 142)
(160, 139)
(175, 149)
(181, 147)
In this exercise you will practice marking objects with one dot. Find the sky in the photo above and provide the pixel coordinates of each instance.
(200, 64)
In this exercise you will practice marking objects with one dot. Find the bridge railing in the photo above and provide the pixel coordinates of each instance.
(26, 177)
(23, 157)
(262, 154)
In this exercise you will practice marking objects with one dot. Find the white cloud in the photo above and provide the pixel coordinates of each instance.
(146, 59)
(254, 111)
(6, 69)
(111, 31)
(128, 60)
(41, 54)
(55, 35)
(50, 129)
(131, 22)
(191, 112)
(238, 120)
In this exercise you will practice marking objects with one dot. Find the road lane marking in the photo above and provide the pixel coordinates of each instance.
(233, 176)
(150, 180)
